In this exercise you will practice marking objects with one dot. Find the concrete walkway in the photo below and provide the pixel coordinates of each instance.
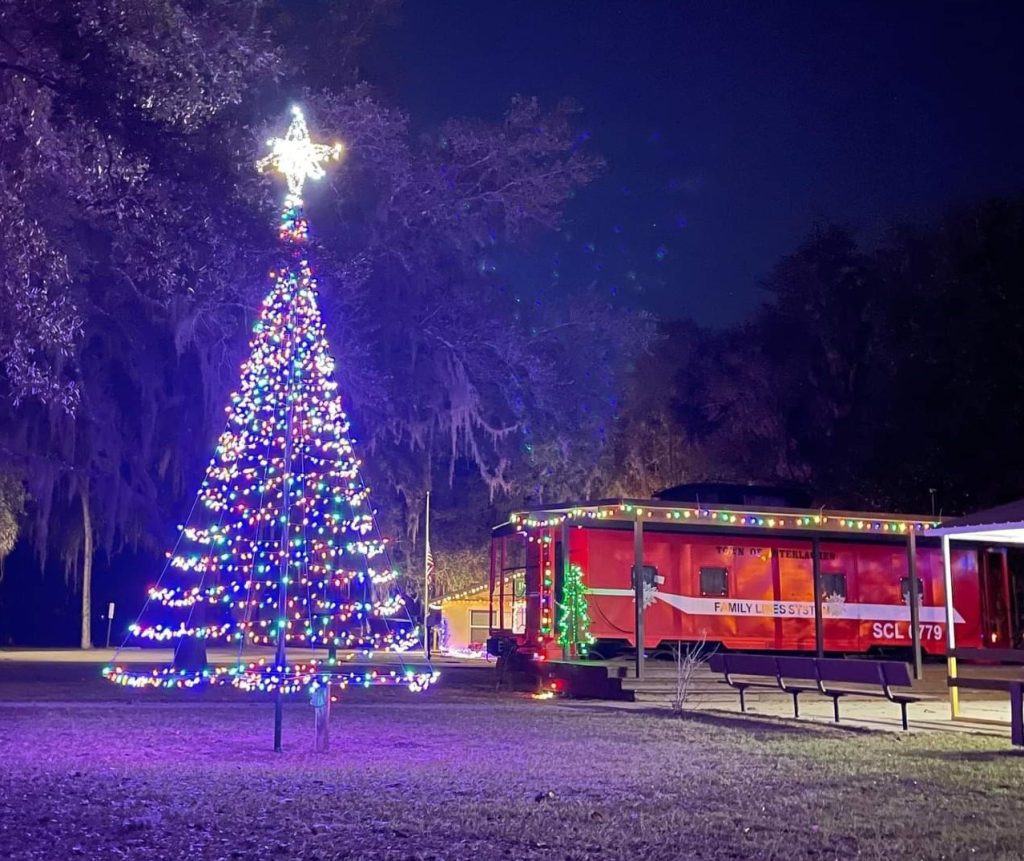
(83, 656)
(658, 688)
(983, 712)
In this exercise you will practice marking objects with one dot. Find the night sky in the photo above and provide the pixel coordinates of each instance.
(729, 128)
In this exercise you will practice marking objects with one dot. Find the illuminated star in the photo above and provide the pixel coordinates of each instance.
(297, 158)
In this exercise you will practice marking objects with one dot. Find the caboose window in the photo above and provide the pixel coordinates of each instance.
(905, 589)
(833, 586)
(714, 582)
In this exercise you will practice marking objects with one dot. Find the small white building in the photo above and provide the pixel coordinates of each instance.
(466, 620)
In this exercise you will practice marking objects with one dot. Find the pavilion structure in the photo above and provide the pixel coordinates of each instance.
(1002, 526)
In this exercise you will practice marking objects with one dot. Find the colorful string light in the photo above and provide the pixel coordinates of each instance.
(792, 519)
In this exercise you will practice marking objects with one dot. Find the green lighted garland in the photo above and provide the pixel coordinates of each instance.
(574, 621)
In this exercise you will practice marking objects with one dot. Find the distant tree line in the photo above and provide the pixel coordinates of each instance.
(879, 377)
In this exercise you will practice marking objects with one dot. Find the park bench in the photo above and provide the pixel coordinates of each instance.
(831, 677)
(1013, 686)
(762, 671)
(792, 675)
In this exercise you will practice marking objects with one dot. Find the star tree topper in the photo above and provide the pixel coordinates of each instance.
(297, 158)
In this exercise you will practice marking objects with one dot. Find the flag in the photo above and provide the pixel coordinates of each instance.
(428, 561)
(428, 573)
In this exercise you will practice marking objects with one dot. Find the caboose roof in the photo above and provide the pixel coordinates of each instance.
(667, 515)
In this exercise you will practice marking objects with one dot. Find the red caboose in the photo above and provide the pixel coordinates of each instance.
(743, 578)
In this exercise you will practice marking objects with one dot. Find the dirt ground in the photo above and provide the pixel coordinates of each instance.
(460, 772)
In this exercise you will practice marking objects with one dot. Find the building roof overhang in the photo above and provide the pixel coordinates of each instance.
(1003, 524)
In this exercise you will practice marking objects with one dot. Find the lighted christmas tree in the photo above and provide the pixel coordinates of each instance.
(282, 555)
(574, 620)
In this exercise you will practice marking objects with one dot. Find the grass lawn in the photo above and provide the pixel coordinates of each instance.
(447, 775)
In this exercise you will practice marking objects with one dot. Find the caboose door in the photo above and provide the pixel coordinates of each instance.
(995, 600)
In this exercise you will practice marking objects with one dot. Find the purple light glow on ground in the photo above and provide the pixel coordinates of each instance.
(463, 773)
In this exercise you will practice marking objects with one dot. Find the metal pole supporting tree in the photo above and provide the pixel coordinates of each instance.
(281, 657)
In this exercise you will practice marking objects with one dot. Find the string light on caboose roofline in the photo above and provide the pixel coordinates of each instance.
(279, 548)
(825, 520)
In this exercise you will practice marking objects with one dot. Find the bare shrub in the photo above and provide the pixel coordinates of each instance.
(688, 658)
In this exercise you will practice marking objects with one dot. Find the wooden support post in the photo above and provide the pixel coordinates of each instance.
(819, 626)
(321, 700)
(638, 592)
(914, 594)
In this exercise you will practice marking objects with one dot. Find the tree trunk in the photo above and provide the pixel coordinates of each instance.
(86, 569)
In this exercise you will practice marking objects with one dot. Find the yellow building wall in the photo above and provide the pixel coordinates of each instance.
(458, 613)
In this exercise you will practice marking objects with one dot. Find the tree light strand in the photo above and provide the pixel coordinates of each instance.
(281, 545)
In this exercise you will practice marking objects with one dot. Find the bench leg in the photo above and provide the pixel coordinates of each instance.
(903, 710)
(1017, 713)
(835, 707)
(796, 704)
(743, 701)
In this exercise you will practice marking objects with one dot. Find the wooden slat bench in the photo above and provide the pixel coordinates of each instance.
(831, 677)
(1013, 686)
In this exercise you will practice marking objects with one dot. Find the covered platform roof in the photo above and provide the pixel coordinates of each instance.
(1003, 524)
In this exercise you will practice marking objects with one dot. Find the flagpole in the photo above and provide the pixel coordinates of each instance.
(426, 583)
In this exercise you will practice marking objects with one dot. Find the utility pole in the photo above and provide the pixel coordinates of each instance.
(428, 563)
